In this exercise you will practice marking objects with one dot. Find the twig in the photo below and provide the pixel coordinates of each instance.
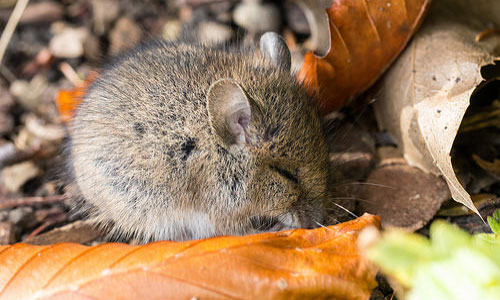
(11, 26)
(7, 74)
(10, 155)
(58, 218)
(27, 201)
(70, 73)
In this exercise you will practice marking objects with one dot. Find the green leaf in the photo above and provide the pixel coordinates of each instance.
(450, 265)
(494, 222)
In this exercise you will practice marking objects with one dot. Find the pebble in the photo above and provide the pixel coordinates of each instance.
(257, 17)
(68, 43)
(105, 12)
(21, 215)
(28, 93)
(171, 30)
(124, 35)
(15, 176)
(214, 33)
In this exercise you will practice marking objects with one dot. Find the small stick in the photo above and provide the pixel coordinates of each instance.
(27, 201)
(10, 155)
(11, 26)
(70, 73)
(61, 217)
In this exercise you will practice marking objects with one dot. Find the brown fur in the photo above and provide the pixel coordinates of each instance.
(145, 158)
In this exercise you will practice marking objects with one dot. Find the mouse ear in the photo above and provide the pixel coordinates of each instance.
(274, 47)
(229, 111)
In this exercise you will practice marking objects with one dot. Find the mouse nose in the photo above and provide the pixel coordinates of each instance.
(310, 220)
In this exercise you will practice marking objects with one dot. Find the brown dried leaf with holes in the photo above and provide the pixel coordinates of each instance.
(321, 263)
(424, 96)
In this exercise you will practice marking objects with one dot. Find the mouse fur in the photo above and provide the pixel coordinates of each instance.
(151, 158)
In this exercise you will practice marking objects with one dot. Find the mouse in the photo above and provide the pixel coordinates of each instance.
(180, 141)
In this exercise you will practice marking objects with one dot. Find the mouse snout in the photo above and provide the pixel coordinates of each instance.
(311, 214)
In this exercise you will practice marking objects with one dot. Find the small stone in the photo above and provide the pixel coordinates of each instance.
(171, 30)
(45, 132)
(105, 12)
(126, 34)
(257, 17)
(28, 93)
(214, 33)
(21, 215)
(15, 176)
(68, 43)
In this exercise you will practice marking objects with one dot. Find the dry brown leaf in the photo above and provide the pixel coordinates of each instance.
(68, 100)
(403, 196)
(365, 37)
(321, 263)
(76, 232)
(425, 94)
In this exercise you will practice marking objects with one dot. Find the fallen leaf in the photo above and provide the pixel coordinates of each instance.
(425, 94)
(68, 100)
(365, 37)
(76, 232)
(450, 265)
(403, 196)
(321, 263)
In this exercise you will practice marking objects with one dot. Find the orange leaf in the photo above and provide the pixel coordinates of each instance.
(68, 100)
(319, 263)
(365, 37)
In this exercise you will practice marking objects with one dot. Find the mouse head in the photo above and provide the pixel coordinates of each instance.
(268, 119)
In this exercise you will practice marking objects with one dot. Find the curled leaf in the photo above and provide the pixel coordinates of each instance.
(365, 37)
(425, 94)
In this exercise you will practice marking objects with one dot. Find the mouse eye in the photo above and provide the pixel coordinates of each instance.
(288, 175)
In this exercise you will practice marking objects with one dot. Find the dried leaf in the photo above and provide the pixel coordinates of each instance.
(403, 196)
(322, 263)
(68, 100)
(365, 37)
(76, 232)
(426, 93)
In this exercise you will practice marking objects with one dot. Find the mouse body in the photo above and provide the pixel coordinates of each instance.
(180, 141)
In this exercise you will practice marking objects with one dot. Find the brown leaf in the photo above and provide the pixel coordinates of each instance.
(68, 100)
(403, 196)
(365, 37)
(426, 93)
(76, 232)
(322, 263)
